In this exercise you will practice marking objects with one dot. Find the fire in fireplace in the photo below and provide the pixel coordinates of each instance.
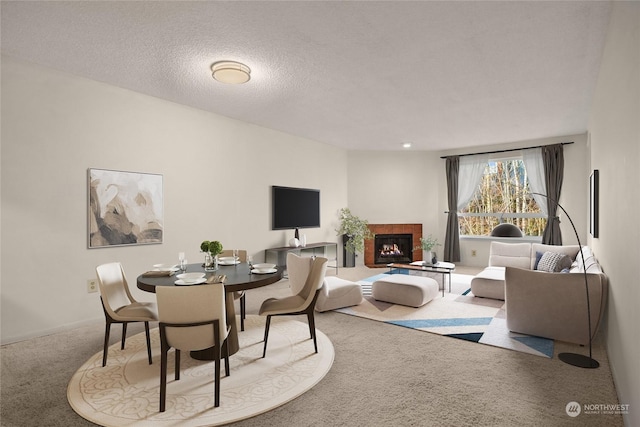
(393, 248)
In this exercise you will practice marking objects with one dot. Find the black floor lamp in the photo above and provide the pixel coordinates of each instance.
(576, 359)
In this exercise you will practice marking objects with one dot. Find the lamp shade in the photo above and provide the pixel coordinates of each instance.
(230, 72)
(506, 230)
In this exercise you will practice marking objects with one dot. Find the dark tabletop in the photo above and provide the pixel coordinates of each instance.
(238, 278)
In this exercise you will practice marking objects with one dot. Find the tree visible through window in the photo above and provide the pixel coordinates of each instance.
(502, 196)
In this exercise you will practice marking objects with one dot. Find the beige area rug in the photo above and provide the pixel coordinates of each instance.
(456, 315)
(126, 391)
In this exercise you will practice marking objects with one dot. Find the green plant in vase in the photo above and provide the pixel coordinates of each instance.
(427, 244)
(355, 228)
(211, 249)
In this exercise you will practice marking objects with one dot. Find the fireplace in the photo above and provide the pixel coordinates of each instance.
(371, 246)
(393, 248)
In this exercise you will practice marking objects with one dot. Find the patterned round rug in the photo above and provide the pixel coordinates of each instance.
(126, 391)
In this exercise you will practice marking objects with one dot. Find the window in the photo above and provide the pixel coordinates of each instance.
(503, 195)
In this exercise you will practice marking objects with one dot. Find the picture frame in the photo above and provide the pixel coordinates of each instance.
(124, 208)
(594, 201)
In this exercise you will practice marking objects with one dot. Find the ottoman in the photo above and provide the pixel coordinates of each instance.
(414, 291)
(338, 293)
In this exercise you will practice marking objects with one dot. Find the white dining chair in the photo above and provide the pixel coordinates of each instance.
(192, 318)
(119, 306)
(239, 295)
(301, 303)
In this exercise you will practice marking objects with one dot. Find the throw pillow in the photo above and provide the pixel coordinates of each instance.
(553, 262)
(538, 256)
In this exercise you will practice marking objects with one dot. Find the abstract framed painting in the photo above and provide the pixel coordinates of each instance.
(125, 208)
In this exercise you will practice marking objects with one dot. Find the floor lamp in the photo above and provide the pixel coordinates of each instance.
(576, 359)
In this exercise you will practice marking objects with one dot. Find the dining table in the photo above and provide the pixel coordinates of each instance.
(238, 277)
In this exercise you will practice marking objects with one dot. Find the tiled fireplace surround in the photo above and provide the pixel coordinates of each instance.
(414, 229)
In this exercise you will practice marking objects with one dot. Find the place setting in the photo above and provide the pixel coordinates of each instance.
(263, 268)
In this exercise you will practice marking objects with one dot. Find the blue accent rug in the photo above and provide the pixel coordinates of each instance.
(458, 314)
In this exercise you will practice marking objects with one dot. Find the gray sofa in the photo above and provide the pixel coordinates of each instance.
(542, 303)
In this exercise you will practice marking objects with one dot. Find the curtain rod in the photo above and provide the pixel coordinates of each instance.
(503, 151)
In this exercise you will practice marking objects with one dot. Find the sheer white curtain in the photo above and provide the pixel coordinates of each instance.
(469, 175)
(534, 165)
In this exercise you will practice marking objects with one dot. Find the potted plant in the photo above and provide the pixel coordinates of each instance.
(427, 244)
(353, 230)
(211, 249)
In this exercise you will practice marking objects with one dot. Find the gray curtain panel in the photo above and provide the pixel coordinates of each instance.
(553, 158)
(452, 236)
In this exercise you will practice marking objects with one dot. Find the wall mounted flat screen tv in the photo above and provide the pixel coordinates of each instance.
(295, 208)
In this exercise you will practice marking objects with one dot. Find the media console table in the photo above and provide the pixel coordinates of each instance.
(281, 253)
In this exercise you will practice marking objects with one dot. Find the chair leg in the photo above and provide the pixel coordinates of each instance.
(124, 334)
(266, 335)
(225, 349)
(243, 310)
(163, 378)
(146, 329)
(312, 328)
(177, 365)
(218, 352)
(106, 343)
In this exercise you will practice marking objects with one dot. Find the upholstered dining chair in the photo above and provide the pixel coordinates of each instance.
(192, 318)
(301, 303)
(298, 269)
(239, 295)
(119, 305)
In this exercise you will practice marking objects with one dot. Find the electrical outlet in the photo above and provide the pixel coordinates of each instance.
(473, 252)
(92, 285)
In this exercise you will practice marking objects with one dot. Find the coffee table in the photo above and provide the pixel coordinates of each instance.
(445, 268)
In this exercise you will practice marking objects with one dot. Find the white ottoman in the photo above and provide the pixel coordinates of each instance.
(414, 291)
(338, 293)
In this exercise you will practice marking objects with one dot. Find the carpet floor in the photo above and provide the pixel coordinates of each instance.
(457, 314)
(126, 391)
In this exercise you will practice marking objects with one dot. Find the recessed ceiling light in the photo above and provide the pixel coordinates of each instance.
(406, 145)
(230, 72)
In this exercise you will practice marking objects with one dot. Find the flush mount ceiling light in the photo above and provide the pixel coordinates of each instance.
(230, 72)
(406, 145)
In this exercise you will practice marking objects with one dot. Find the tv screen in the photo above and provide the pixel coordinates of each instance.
(295, 208)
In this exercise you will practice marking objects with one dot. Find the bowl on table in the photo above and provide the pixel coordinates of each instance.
(264, 268)
(227, 260)
(190, 277)
(165, 267)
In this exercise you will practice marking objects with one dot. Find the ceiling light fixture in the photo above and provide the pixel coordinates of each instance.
(406, 145)
(230, 72)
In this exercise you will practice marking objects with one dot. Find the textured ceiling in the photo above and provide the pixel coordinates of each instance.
(359, 75)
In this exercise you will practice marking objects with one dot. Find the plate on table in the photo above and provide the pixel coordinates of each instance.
(190, 277)
(165, 267)
(228, 260)
(190, 282)
(264, 270)
(264, 266)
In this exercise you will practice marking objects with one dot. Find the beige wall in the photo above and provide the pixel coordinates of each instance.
(410, 187)
(217, 176)
(614, 130)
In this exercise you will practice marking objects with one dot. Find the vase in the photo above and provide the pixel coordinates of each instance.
(348, 258)
(429, 257)
(210, 262)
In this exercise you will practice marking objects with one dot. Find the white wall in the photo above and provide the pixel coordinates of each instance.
(411, 187)
(217, 175)
(396, 188)
(614, 129)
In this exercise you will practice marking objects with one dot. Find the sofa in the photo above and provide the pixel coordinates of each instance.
(490, 282)
(547, 301)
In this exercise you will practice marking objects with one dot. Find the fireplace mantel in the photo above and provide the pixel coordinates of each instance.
(414, 229)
